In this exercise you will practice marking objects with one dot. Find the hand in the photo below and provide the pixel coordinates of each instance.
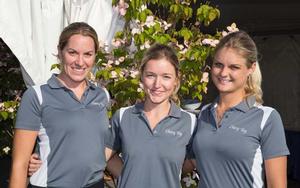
(34, 164)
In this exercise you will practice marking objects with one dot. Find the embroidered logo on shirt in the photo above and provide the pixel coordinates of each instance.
(96, 103)
(241, 130)
(173, 133)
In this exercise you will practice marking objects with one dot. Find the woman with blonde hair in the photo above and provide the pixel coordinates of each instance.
(238, 140)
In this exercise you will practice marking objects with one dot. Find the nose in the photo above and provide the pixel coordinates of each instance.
(157, 82)
(224, 71)
(79, 60)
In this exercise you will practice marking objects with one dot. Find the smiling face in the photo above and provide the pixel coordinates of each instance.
(230, 72)
(77, 57)
(159, 80)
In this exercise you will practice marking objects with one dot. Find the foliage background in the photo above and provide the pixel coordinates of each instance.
(179, 23)
(12, 86)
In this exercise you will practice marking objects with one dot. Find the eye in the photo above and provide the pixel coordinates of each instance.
(72, 52)
(217, 65)
(149, 75)
(89, 54)
(167, 77)
(234, 67)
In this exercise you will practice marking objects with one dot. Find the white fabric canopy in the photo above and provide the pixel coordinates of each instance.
(31, 29)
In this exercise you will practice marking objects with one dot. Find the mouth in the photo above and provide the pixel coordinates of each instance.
(78, 70)
(224, 80)
(156, 93)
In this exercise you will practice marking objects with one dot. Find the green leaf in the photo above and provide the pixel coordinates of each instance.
(55, 66)
(174, 8)
(188, 12)
(4, 115)
(185, 33)
(143, 16)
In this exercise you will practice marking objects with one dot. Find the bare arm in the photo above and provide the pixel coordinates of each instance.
(276, 172)
(188, 166)
(23, 144)
(115, 165)
(109, 153)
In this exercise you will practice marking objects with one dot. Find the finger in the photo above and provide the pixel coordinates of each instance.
(32, 171)
(34, 167)
(35, 162)
(35, 156)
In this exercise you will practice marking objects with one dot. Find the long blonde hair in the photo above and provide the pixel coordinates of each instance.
(245, 46)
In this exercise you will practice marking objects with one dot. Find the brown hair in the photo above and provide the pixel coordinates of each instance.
(161, 51)
(81, 28)
(245, 46)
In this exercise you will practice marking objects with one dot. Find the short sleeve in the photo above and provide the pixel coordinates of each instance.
(190, 153)
(273, 142)
(113, 139)
(29, 112)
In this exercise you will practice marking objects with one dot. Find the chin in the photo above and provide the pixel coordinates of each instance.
(78, 79)
(158, 101)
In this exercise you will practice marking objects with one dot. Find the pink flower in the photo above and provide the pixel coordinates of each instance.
(121, 59)
(114, 74)
(205, 77)
(149, 21)
(232, 28)
(116, 43)
(122, 7)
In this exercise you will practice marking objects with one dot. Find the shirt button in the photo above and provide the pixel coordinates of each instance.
(155, 132)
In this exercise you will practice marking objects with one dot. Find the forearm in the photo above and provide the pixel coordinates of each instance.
(188, 166)
(22, 148)
(115, 165)
(18, 178)
(276, 172)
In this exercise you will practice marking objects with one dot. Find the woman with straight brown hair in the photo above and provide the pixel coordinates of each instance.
(68, 118)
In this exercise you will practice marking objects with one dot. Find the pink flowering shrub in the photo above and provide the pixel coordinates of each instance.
(165, 21)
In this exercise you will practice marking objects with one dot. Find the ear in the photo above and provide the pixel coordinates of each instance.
(177, 85)
(59, 55)
(252, 68)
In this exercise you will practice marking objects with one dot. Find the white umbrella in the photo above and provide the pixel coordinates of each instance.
(31, 29)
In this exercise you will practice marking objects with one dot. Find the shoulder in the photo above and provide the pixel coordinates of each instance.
(269, 115)
(187, 113)
(119, 114)
(191, 117)
(102, 92)
(204, 111)
(33, 93)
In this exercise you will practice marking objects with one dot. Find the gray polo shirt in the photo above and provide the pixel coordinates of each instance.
(233, 154)
(70, 133)
(152, 158)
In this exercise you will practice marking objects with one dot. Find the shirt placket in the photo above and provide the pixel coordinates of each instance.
(158, 127)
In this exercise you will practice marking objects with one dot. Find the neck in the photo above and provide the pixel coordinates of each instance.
(228, 100)
(156, 112)
(71, 84)
(160, 109)
(78, 88)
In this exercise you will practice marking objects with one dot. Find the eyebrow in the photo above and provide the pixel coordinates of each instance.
(156, 73)
(231, 64)
(90, 51)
